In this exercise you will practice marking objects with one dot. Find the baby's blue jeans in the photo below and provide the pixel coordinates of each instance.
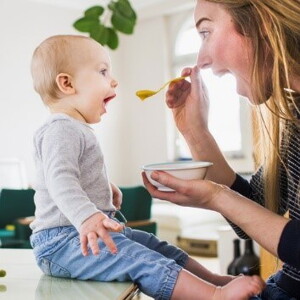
(152, 264)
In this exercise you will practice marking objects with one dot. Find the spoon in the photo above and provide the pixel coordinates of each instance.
(143, 94)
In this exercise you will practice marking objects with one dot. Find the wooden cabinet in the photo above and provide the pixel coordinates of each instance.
(269, 264)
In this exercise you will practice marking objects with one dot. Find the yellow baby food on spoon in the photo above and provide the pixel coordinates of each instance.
(2, 273)
(143, 94)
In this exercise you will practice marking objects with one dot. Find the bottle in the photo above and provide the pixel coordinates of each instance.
(231, 269)
(248, 263)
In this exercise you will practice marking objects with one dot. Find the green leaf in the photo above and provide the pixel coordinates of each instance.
(123, 19)
(112, 6)
(113, 40)
(100, 34)
(125, 9)
(95, 11)
(121, 23)
(86, 24)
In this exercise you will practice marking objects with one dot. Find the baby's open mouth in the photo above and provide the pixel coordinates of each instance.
(106, 100)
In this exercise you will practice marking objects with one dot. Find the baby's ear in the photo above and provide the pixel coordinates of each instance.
(64, 83)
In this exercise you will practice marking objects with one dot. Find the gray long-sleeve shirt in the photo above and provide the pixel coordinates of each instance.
(71, 179)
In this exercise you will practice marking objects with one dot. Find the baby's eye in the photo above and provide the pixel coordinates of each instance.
(203, 34)
(103, 72)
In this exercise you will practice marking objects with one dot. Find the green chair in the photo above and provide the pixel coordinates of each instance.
(136, 207)
(15, 204)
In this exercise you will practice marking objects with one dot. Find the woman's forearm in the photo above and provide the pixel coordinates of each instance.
(204, 147)
(262, 225)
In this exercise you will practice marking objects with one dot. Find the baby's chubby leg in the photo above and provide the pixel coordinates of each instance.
(200, 271)
(153, 243)
(175, 253)
(195, 281)
(188, 286)
(160, 277)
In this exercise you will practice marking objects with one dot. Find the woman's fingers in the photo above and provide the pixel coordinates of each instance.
(164, 179)
(198, 88)
(155, 193)
(177, 92)
(169, 181)
(186, 71)
(193, 193)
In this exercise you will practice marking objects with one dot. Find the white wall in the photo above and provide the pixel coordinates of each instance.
(141, 63)
(133, 133)
(23, 25)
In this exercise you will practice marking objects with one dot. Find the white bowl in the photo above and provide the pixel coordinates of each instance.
(187, 170)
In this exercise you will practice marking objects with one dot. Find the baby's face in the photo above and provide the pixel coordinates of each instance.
(92, 80)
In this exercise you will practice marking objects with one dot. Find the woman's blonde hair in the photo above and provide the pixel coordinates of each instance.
(273, 26)
(53, 56)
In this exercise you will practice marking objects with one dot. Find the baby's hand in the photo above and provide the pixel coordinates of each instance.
(98, 226)
(117, 196)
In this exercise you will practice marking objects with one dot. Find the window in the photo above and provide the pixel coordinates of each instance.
(229, 115)
(12, 174)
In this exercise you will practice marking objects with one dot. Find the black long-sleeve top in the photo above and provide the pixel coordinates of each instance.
(289, 244)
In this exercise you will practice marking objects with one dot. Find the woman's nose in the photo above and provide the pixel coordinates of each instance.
(203, 59)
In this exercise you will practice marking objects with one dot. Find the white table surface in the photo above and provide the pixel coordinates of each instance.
(24, 280)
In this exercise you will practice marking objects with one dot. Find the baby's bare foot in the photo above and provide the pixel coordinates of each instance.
(240, 288)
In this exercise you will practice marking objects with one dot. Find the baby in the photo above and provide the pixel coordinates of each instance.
(75, 234)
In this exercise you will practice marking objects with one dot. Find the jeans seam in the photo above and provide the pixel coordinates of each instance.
(57, 265)
(163, 292)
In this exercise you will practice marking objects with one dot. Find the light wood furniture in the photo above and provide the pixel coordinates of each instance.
(24, 280)
(269, 264)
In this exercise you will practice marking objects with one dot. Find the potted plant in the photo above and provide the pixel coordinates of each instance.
(103, 23)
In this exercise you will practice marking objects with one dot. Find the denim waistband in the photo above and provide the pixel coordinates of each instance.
(49, 233)
(43, 236)
(114, 213)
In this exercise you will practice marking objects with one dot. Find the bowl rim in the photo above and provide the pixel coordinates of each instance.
(180, 165)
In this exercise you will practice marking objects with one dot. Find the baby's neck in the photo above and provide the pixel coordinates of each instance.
(70, 111)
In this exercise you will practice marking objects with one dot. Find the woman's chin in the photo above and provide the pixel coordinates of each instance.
(242, 91)
(246, 94)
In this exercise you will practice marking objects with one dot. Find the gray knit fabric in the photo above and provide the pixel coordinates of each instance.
(71, 180)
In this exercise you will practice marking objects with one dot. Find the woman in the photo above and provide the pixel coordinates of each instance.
(258, 41)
